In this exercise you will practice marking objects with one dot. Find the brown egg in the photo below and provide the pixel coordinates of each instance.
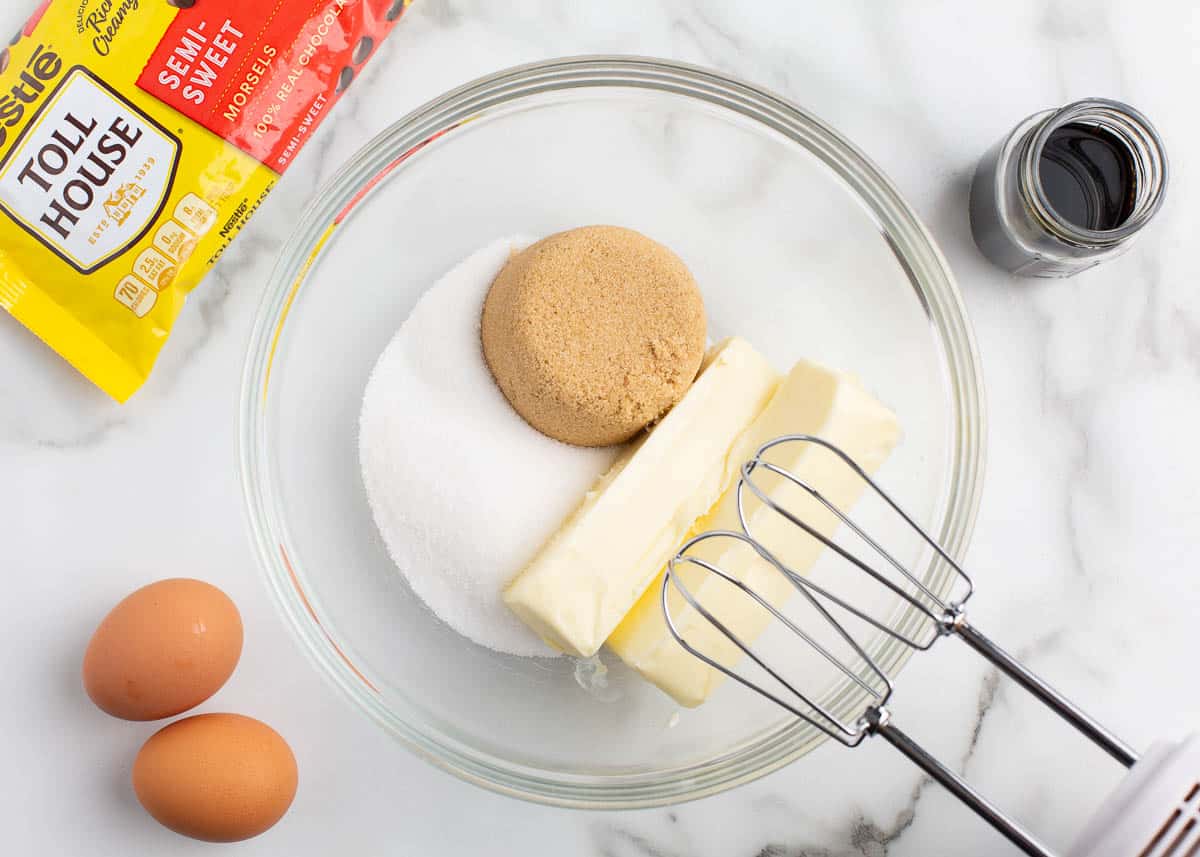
(164, 649)
(216, 777)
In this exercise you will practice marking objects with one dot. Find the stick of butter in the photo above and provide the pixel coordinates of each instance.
(812, 400)
(593, 570)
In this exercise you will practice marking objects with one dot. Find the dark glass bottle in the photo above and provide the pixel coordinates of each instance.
(1068, 189)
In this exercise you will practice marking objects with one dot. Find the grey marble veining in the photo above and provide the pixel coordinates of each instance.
(1086, 544)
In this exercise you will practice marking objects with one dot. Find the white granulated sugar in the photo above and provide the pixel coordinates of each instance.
(462, 489)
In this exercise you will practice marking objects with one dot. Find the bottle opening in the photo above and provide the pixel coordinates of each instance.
(1089, 176)
(1094, 172)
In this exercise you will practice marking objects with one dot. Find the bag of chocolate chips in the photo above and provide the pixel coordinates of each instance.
(136, 139)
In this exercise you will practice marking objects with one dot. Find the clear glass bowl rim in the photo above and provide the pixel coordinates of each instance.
(898, 222)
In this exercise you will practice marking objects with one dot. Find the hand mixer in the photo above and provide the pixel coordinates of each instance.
(1154, 812)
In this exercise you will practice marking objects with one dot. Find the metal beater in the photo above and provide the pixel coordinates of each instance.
(1154, 813)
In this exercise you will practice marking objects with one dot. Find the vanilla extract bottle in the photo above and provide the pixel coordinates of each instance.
(1068, 189)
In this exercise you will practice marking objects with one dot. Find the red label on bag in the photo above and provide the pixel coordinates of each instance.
(263, 77)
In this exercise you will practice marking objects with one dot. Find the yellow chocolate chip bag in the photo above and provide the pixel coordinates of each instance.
(136, 139)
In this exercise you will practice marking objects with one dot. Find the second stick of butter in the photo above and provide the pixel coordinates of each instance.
(812, 400)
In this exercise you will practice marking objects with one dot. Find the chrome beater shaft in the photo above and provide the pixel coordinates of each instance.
(935, 616)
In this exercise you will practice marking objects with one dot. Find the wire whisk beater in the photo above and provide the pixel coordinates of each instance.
(834, 622)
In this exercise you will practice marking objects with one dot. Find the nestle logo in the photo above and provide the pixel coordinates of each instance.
(40, 70)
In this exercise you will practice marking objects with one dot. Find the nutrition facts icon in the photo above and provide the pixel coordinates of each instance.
(155, 268)
(196, 214)
(136, 295)
(175, 241)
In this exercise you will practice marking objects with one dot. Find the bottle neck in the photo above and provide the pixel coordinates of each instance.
(1148, 170)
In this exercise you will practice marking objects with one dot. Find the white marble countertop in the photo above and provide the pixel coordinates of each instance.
(1087, 538)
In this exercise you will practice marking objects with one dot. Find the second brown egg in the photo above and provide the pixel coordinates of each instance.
(216, 777)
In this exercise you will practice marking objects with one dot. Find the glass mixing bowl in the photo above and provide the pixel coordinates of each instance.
(799, 244)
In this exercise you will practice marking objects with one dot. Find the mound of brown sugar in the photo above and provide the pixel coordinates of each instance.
(593, 333)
